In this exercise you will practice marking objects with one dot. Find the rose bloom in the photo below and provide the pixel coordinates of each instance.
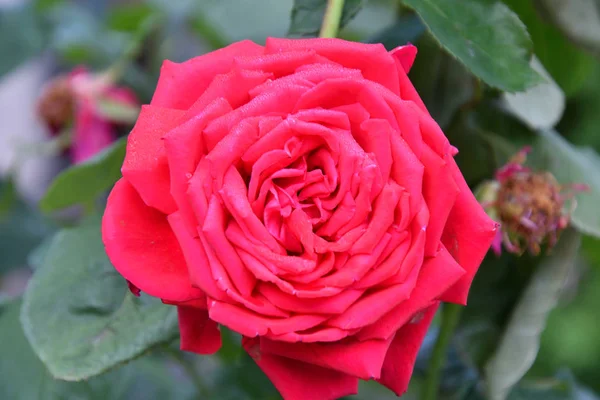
(301, 195)
(73, 100)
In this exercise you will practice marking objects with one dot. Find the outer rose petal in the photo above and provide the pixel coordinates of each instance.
(142, 247)
(400, 359)
(296, 380)
(405, 55)
(372, 59)
(145, 165)
(180, 85)
(199, 334)
(360, 359)
(468, 235)
(437, 274)
(440, 192)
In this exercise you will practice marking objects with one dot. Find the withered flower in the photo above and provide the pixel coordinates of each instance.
(532, 206)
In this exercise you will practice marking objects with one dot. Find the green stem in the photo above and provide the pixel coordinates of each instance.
(332, 19)
(450, 317)
(190, 370)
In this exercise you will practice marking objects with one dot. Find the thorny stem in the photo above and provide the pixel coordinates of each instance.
(450, 317)
(332, 19)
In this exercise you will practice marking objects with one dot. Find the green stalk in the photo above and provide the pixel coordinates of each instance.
(450, 317)
(332, 19)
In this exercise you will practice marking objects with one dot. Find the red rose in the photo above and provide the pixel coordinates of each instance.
(300, 194)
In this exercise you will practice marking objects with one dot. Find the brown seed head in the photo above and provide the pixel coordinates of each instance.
(56, 103)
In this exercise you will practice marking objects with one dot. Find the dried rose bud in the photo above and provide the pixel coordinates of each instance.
(532, 206)
(56, 104)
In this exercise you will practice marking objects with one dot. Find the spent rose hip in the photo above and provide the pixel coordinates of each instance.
(301, 195)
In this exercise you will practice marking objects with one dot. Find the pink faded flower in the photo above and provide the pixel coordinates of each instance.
(75, 99)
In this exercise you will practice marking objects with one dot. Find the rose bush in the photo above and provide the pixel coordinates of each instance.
(301, 195)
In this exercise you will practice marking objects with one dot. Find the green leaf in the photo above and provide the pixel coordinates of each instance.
(540, 107)
(443, 83)
(21, 230)
(307, 16)
(21, 37)
(24, 377)
(570, 164)
(82, 183)
(486, 36)
(78, 314)
(569, 66)
(521, 340)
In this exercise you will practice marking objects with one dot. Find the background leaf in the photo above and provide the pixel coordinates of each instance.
(82, 183)
(486, 36)
(78, 314)
(22, 228)
(307, 16)
(579, 20)
(24, 377)
(21, 36)
(569, 66)
(520, 342)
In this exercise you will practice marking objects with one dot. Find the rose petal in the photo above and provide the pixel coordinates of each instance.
(405, 55)
(355, 268)
(329, 305)
(360, 359)
(145, 166)
(372, 59)
(374, 137)
(382, 218)
(296, 380)
(312, 336)
(185, 147)
(280, 101)
(251, 324)
(198, 333)
(440, 192)
(400, 359)
(393, 264)
(468, 236)
(372, 307)
(142, 247)
(437, 274)
(180, 85)
(407, 90)
(234, 87)
(214, 230)
(280, 64)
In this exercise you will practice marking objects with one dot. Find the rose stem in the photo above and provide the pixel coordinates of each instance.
(450, 317)
(331, 20)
